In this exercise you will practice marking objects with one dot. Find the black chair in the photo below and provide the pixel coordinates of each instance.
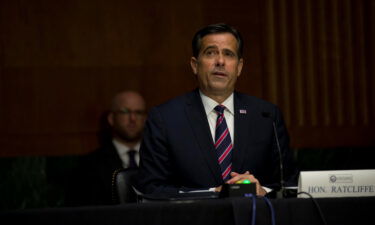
(122, 188)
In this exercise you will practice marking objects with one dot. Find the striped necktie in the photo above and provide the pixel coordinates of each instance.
(223, 143)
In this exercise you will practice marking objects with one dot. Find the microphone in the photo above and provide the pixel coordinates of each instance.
(269, 115)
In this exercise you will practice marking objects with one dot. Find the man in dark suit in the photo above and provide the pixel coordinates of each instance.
(214, 134)
(120, 136)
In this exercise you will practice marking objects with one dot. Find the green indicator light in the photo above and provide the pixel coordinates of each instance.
(246, 182)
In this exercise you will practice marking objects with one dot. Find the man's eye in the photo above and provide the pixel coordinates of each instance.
(210, 52)
(230, 54)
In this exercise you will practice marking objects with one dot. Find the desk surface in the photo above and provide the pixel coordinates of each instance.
(216, 211)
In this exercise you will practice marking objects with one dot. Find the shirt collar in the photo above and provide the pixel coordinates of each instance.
(123, 149)
(209, 104)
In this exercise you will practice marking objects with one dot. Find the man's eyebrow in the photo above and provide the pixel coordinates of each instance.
(209, 47)
(229, 50)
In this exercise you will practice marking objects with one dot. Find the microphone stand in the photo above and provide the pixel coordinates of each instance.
(281, 192)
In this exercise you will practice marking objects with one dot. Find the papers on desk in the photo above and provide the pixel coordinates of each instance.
(199, 190)
(337, 183)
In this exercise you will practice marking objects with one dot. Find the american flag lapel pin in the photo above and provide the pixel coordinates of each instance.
(243, 111)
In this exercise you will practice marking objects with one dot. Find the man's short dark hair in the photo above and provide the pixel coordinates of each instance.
(216, 29)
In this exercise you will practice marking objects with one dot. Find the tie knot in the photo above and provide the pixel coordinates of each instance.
(131, 153)
(220, 109)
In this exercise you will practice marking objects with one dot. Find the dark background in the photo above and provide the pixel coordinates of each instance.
(62, 61)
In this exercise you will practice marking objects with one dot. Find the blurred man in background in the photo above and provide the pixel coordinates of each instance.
(120, 138)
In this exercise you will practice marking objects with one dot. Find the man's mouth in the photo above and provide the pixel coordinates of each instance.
(219, 73)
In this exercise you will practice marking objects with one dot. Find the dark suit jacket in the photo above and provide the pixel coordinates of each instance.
(177, 152)
(93, 177)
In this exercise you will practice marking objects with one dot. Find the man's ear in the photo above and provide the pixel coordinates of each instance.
(110, 118)
(239, 67)
(194, 64)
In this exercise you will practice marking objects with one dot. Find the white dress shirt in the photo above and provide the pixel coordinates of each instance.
(122, 151)
(209, 105)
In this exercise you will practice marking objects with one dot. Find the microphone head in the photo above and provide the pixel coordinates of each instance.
(266, 114)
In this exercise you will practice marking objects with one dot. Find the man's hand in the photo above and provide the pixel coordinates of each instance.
(218, 189)
(247, 176)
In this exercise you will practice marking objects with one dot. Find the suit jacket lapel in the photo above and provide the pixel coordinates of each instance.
(241, 132)
(199, 124)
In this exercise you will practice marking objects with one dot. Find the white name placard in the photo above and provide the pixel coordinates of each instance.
(337, 183)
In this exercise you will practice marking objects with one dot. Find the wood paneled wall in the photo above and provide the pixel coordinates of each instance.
(319, 63)
(61, 62)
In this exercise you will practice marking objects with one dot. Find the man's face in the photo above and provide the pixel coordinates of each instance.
(128, 117)
(218, 65)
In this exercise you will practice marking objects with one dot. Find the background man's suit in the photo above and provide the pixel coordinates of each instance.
(177, 152)
(93, 178)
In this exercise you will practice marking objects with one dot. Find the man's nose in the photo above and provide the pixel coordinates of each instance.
(132, 116)
(220, 61)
